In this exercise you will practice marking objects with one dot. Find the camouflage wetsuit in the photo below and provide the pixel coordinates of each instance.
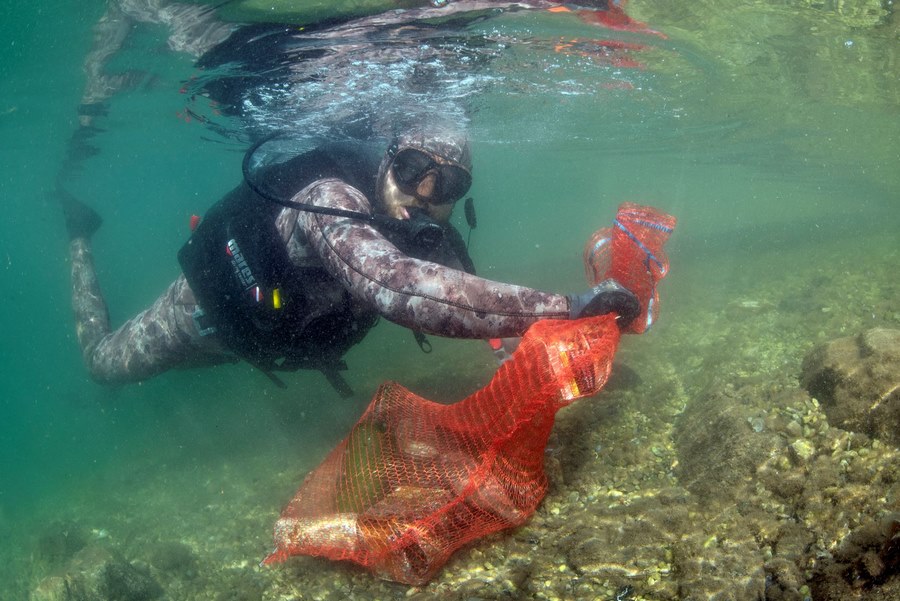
(415, 293)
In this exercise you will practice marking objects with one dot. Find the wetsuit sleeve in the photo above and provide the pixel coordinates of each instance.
(417, 294)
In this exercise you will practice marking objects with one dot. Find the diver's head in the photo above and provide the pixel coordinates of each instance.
(425, 170)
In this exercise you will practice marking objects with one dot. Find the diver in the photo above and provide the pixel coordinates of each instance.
(297, 263)
(267, 275)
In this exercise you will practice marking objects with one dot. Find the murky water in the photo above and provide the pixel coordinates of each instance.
(770, 130)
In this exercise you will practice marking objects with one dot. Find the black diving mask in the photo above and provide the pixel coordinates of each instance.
(411, 166)
(419, 233)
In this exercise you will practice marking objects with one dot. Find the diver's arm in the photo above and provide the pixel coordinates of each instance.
(418, 294)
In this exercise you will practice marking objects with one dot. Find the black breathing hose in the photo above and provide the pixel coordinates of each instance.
(419, 230)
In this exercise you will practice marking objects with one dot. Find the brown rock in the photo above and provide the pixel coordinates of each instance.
(719, 451)
(865, 567)
(857, 381)
(98, 574)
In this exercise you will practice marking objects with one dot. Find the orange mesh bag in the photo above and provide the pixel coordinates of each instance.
(416, 480)
(634, 242)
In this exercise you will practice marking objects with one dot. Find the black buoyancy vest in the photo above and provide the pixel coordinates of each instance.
(256, 299)
(239, 269)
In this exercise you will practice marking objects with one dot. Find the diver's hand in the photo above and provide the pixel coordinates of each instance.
(606, 297)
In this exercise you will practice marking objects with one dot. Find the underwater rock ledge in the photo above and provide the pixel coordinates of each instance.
(857, 381)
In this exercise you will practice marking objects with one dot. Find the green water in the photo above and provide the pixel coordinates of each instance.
(771, 130)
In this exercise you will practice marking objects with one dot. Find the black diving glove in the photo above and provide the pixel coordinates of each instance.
(606, 297)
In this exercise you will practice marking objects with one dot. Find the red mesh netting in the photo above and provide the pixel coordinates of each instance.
(416, 480)
(632, 252)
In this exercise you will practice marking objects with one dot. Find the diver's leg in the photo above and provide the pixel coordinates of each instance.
(91, 314)
(160, 338)
(193, 28)
(418, 294)
(109, 34)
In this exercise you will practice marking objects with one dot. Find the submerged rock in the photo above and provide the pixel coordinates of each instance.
(857, 380)
(59, 542)
(173, 558)
(866, 566)
(98, 574)
(719, 448)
